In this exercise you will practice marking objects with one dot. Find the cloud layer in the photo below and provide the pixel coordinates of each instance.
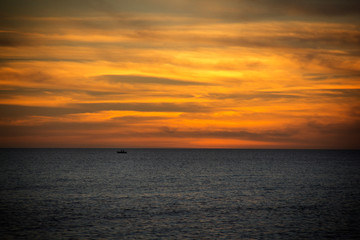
(156, 73)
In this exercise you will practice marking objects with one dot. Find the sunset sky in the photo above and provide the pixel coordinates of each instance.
(180, 73)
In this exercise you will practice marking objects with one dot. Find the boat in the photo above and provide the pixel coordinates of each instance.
(121, 151)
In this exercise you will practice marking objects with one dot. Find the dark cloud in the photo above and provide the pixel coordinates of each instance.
(47, 7)
(95, 25)
(10, 111)
(146, 107)
(299, 39)
(15, 39)
(58, 129)
(308, 95)
(256, 95)
(312, 135)
(138, 119)
(340, 93)
(53, 16)
(31, 76)
(313, 7)
(266, 135)
(323, 76)
(12, 92)
(122, 126)
(339, 65)
(355, 111)
(337, 135)
(308, 10)
(18, 111)
(133, 79)
(5, 61)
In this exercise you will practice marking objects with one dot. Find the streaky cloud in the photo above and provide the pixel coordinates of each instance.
(136, 79)
(20, 111)
(16, 39)
(146, 107)
(10, 110)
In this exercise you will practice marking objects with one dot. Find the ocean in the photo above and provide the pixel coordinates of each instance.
(179, 194)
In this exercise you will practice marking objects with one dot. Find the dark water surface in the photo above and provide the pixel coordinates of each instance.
(179, 194)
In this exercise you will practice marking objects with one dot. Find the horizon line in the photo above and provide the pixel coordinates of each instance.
(180, 148)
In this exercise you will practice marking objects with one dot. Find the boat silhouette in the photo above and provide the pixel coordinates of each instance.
(121, 151)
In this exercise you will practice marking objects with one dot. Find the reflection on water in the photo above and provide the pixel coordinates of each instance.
(164, 193)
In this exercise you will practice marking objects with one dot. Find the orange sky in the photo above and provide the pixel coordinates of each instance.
(180, 73)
